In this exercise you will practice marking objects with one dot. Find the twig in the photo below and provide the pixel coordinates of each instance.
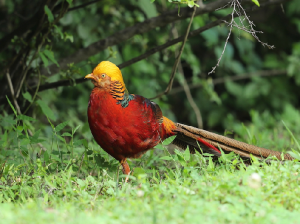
(173, 42)
(226, 42)
(138, 58)
(187, 89)
(26, 25)
(127, 33)
(240, 12)
(11, 88)
(189, 97)
(282, 8)
(35, 93)
(169, 87)
(18, 107)
(37, 50)
(155, 49)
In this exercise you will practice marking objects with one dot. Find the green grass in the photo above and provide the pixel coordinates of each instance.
(74, 181)
(223, 195)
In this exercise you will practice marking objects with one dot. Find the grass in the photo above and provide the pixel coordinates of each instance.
(223, 195)
(76, 182)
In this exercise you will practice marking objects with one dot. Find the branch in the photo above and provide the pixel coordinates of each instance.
(18, 107)
(187, 89)
(25, 26)
(238, 10)
(160, 47)
(138, 58)
(63, 11)
(11, 88)
(218, 81)
(125, 34)
(189, 97)
(177, 61)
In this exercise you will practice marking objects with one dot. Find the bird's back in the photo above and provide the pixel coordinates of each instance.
(124, 131)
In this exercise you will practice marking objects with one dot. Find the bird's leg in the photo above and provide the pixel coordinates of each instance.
(126, 168)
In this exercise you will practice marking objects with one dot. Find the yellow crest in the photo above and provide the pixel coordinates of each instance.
(110, 69)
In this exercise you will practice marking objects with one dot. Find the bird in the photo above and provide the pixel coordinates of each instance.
(127, 125)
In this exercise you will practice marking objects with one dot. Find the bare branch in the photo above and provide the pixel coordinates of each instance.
(177, 60)
(26, 25)
(18, 107)
(239, 11)
(158, 48)
(125, 34)
(138, 58)
(187, 89)
(63, 11)
(11, 88)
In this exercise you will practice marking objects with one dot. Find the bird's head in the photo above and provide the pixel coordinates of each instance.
(104, 74)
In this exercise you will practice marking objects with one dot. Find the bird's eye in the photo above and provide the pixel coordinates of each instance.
(103, 75)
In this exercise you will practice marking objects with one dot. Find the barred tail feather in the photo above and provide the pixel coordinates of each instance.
(210, 142)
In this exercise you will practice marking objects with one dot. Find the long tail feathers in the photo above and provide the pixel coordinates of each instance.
(210, 142)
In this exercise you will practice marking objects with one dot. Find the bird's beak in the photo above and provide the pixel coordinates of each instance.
(90, 76)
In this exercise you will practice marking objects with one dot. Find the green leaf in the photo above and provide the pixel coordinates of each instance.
(181, 160)
(294, 154)
(46, 109)
(297, 143)
(25, 152)
(66, 134)
(187, 154)
(50, 123)
(81, 182)
(211, 165)
(69, 37)
(25, 141)
(77, 143)
(37, 134)
(49, 14)
(54, 157)
(89, 152)
(256, 2)
(85, 143)
(69, 1)
(254, 140)
(61, 138)
(190, 3)
(166, 158)
(169, 140)
(27, 96)
(44, 59)
(20, 128)
(58, 30)
(76, 129)
(12, 107)
(61, 126)
(139, 171)
(50, 55)
(160, 147)
(25, 118)
(99, 160)
(35, 138)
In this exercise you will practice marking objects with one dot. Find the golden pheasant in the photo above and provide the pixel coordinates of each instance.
(127, 125)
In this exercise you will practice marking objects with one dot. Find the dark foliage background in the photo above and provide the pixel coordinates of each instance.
(253, 85)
